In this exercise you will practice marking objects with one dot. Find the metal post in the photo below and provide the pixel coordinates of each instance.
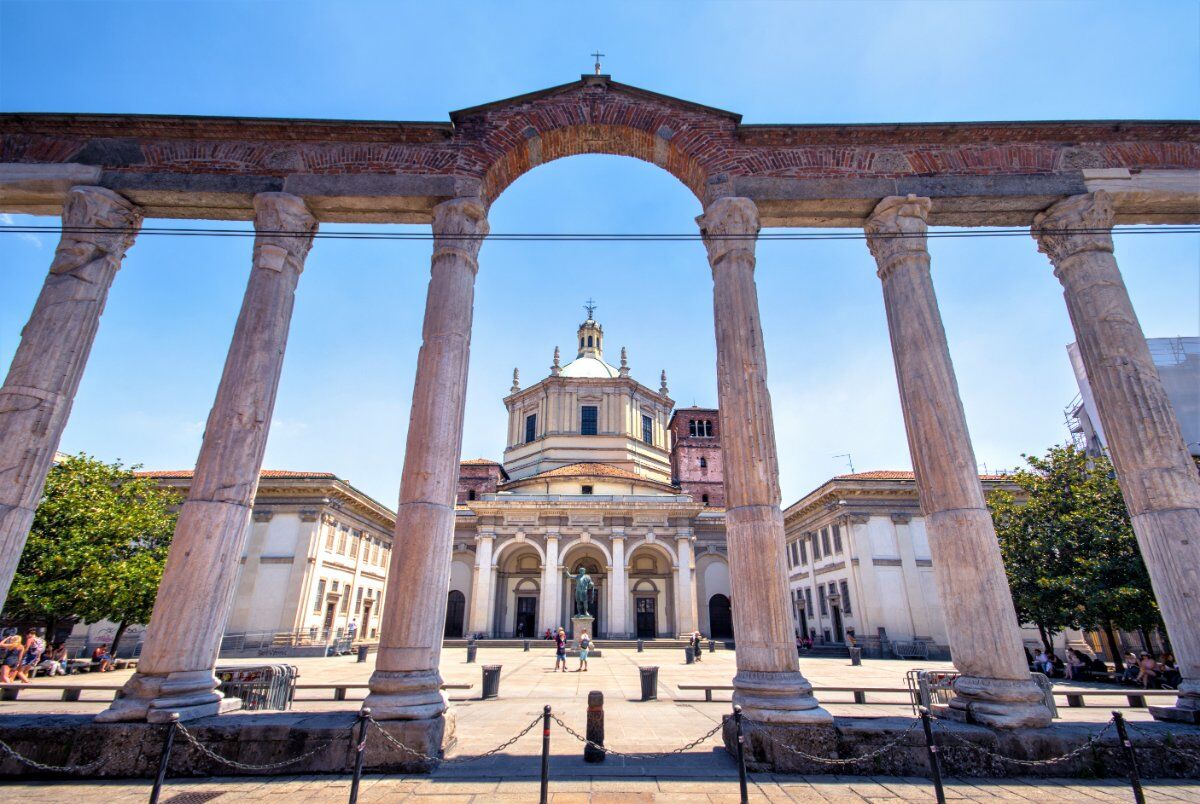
(935, 767)
(545, 792)
(1131, 755)
(164, 757)
(360, 751)
(741, 753)
(593, 749)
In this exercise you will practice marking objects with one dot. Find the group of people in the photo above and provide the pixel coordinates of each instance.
(560, 650)
(21, 656)
(1144, 669)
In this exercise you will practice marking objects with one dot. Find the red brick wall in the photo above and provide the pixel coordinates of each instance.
(480, 478)
(686, 452)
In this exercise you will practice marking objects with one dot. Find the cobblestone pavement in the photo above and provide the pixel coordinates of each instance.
(763, 787)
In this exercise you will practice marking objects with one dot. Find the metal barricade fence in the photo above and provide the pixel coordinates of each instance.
(260, 687)
(936, 687)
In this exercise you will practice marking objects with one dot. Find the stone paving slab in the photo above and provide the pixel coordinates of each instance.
(762, 788)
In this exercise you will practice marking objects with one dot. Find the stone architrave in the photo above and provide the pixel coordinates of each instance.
(995, 687)
(35, 401)
(768, 684)
(1157, 474)
(406, 684)
(175, 671)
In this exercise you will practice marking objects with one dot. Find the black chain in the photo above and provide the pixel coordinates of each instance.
(33, 763)
(454, 760)
(1156, 742)
(1030, 763)
(208, 752)
(660, 755)
(883, 749)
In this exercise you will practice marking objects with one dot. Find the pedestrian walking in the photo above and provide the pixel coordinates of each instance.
(560, 650)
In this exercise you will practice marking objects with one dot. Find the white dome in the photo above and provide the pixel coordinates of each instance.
(590, 367)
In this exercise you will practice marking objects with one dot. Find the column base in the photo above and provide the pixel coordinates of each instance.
(1186, 708)
(156, 698)
(777, 697)
(997, 703)
(406, 695)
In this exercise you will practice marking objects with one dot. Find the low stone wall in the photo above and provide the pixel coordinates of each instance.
(767, 749)
(250, 738)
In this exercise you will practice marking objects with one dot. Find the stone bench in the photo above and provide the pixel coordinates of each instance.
(860, 693)
(70, 692)
(1136, 698)
(340, 690)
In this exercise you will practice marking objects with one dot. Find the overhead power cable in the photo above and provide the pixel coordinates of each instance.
(553, 237)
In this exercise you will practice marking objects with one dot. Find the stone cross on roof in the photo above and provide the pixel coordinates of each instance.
(590, 306)
(597, 56)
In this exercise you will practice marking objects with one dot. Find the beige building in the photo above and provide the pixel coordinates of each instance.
(315, 559)
(858, 558)
(594, 475)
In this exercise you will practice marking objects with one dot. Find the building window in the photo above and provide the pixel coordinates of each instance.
(824, 606)
(700, 428)
(329, 538)
(808, 599)
(837, 538)
(704, 499)
(320, 596)
(333, 587)
(343, 532)
(346, 601)
(589, 340)
(704, 463)
(816, 547)
(470, 494)
(803, 552)
(788, 553)
(355, 539)
(530, 427)
(825, 542)
(581, 343)
(586, 490)
(358, 601)
(846, 598)
(587, 420)
(647, 429)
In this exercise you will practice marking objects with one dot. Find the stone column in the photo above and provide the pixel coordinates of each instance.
(175, 671)
(551, 585)
(685, 591)
(768, 684)
(481, 594)
(406, 684)
(36, 398)
(995, 687)
(618, 625)
(1157, 474)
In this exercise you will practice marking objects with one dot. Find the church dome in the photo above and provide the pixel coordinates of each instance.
(588, 366)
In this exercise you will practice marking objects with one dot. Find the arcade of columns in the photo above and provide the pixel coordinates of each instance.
(175, 674)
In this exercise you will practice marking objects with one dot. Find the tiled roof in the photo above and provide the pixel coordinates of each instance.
(590, 470)
(479, 462)
(269, 474)
(893, 474)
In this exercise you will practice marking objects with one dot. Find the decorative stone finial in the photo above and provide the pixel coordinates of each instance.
(896, 229)
(1092, 213)
(624, 369)
(729, 225)
(555, 368)
(516, 386)
(664, 390)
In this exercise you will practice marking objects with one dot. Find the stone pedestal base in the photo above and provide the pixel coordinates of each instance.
(997, 703)
(156, 699)
(784, 697)
(414, 695)
(579, 624)
(1176, 714)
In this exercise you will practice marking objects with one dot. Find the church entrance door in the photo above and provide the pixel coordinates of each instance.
(720, 617)
(647, 618)
(456, 608)
(836, 615)
(526, 617)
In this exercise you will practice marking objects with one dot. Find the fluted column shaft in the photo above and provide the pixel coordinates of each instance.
(1157, 474)
(406, 683)
(36, 398)
(985, 640)
(175, 671)
(768, 684)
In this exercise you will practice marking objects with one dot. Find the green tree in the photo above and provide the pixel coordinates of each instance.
(1069, 549)
(96, 549)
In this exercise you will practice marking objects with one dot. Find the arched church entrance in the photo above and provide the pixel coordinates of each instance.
(720, 617)
(456, 610)
(590, 558)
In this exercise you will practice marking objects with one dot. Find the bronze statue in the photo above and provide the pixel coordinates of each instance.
(583, 588)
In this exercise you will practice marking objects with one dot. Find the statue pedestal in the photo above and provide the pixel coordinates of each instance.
(579, 624)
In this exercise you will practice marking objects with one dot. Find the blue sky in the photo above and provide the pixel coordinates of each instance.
(347, 381)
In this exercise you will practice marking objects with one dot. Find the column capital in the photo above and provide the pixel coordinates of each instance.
(1075, 225)
(459, 227)
(98, 210)
(284, 231)
(896, 230)
(729, 226)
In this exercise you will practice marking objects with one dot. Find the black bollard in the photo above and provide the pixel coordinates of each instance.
(527, 646)
(362, 653)
(741, 753)
(360, 750)
(856, 657)
(164, 758)
(593, 749)
(935, 768)
(471, 648)
(712, 646)
(641, 646)
(1134, 781)
(689, 655)
(545, 792)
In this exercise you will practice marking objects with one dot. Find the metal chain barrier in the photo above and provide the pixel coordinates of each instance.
(33, 763)
(1154, 741)
(883, 749)
(660, 755)
(208, 752)
(453, 760)
(1028, 763)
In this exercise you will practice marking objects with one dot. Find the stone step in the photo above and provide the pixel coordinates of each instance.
(629, 644)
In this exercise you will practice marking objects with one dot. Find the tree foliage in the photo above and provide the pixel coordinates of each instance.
(1069, 549)
(97, 546)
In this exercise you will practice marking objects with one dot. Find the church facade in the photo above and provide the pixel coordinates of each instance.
(601, 472)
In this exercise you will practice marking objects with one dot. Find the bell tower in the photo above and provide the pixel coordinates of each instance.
(591, 335)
